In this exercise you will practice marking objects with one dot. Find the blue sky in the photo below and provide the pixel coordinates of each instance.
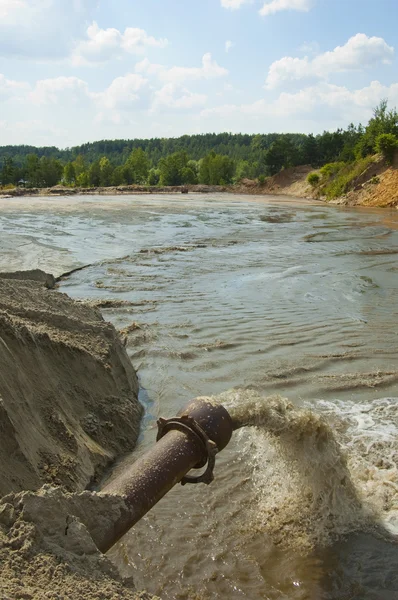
(73, 71)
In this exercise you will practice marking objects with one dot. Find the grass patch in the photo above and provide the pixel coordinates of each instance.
(339, 178)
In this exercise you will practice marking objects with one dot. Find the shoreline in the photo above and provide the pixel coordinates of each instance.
(124, 190)
(291, 183)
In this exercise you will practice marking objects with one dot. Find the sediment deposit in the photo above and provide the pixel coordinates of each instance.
(46, 552)
(68, 408)
(68, 392)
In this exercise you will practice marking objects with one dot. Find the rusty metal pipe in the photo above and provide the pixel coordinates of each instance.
(166, 464)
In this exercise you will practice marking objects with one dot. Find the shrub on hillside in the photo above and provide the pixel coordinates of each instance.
(345, 178)
(387, 145)
(313, 179)
(331, 169)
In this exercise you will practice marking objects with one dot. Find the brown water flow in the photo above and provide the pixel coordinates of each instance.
(321, 501)
(258, 297)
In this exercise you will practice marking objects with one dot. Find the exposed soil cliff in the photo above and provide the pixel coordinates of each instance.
(289, 182)
(378, 186)
(68, 392)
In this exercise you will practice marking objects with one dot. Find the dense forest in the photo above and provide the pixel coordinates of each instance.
(215, 159)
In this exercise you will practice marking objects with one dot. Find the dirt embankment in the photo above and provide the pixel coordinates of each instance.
(289, 182)
(68, 407)
(68, 392)
(377, 186)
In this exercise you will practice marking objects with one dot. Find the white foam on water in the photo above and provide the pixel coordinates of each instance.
(368, 432)
(321, 471)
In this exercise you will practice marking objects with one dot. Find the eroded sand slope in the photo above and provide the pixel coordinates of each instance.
(68, 392)
(68, 407)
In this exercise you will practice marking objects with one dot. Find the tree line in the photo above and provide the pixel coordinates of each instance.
(215, 159)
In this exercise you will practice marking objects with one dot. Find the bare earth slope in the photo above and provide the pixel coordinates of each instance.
(68, 392)
(289, 182)
(378, 187)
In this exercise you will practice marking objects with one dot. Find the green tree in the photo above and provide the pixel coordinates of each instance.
(330, 145)
(188, 176)
(94, 174)
(139, 164)
(153, 177)
(50, 171)
(106, 171)
(69, 173)
(118, 176)
(171, 168)
(32, 170)
(387, 145)
(244, 170)
(216, 169)
(83, 180)
(79, 165)
(8, 173)
(259, 143)
(310, 153)
(282, 154)
(383, 121)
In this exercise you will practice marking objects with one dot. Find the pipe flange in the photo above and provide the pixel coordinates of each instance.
(187, 424)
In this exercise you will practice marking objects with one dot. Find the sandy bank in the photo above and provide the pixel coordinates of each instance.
(289, 182)
(60, 190)
(68, 408)
(68, 392)
(46, 552)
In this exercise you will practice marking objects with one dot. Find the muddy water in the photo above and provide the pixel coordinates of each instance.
(248, 298)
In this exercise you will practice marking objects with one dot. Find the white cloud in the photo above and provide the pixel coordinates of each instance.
(105, 44)
(10, 9)
(234, 4)
(228, 46)
(209, 70)
(270, 8)
(145, 66)
(323, 101)
(136, 40)
(358, 53)
(309, 48)
(34, 131)
(122, 92)
(66, 89)
(170, 96)
(12, 89)
(43, 29)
